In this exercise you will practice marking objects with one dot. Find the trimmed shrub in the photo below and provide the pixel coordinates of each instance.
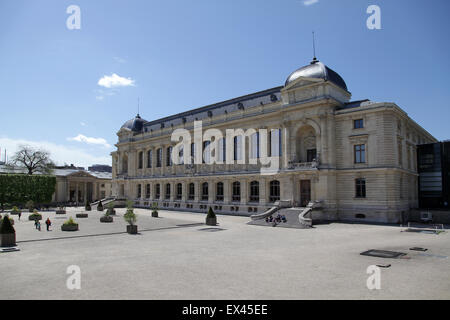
(70, 222)
(100, 206)
(211, 213)
(87, 207)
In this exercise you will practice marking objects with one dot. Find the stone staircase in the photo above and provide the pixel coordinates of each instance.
(296, 217)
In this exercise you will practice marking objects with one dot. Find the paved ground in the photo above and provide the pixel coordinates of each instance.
(178, 259)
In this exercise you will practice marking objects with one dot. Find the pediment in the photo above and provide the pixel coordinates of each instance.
(302, 82)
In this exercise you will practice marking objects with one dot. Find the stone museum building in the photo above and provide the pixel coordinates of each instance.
(357, 158)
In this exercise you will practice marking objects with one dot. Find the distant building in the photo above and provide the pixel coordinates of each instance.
(74, 184)
(100, 168)
(434, 175)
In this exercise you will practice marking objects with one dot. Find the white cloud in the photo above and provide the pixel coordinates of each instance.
(115, 80)
(309, 2)
(59, 153)
(83, 124)
(119, 60)
(90, 140)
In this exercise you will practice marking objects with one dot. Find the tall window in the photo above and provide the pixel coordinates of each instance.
(275, 143)
(140, 159)
(254, 191)
(311, 155)
(191, 194)
(149, 158)
(360, 153)
(236, 196)
(158, 191)
(254, 146)
(222, 149)
(219, 191)
(169, 156)
(179, 191)
(360, 188)
(193, 152)
(206, 152)
(181, 155)
(139, 191)
(358, 124)
(237, 147)
(274, 192)
(159, 157)
(205, 191)
(167, 191)
(147, 191)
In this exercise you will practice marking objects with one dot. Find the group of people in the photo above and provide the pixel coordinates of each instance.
(278, 219)
(37, 224)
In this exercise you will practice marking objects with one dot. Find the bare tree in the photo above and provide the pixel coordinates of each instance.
(34, 160)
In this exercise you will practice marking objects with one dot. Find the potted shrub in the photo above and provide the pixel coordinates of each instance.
(110, 209)
(15, 210)
(211, 219)
(81, 215)
(87, 207)
(69, 225)
(130, 217)
(106, 217)
(7, 233)
(155, 210)
(35, 215)
(61, 210)
(30, 205)
(100, 206)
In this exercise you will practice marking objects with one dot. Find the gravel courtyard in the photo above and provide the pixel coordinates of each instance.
(176, 257)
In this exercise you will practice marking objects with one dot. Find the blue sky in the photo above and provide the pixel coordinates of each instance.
(178, 55)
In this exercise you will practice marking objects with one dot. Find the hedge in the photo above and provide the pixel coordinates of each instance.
(19, 188)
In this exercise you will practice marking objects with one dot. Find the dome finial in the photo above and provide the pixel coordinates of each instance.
(314, 60)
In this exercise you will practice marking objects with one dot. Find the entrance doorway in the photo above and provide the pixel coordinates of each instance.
(305, 192)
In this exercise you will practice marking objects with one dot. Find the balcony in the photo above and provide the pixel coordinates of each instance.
(303, 165)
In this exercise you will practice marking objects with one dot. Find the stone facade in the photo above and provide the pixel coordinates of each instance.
(358, 158)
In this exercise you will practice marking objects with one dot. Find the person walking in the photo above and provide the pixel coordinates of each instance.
(38, 225)
(48, 223)
(20, 214)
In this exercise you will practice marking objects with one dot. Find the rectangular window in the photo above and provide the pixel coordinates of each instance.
(360, 153)
(238, 147)
(255, 146)
(192, 153)
(311, 155)
(169, 157)
(159, 157)
(147, 191)
(358, 124)
(219, 191)
(275, 143)
(158, 191)
(139, 191)
(149, 159)
(179, 191)
(168, 191)
(222, 150)
(191, 195)
(206, 152)
(360, 188)
(141, 159)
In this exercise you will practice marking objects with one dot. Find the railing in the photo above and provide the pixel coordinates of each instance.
(303, 165)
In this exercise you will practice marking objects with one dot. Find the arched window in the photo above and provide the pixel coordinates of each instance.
(254, 191)
(167, 195)
(179, 191)
(274, 194)
(158, 191)
(139, 191)
(147, 191)
(219, 191)
(191, 194)
(236, 196)
(149, 158)
(169, 156)
(159, 158)
(205, 191)
(140, 159)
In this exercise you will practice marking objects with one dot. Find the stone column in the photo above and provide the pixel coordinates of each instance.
(172, 191)
(184, 191)
(211, 191)
(197, 191)
(244, 192)
(67, 190)
(262, 192)
(226, 191)
(76, 194)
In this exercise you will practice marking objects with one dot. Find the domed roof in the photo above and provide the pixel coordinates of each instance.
(136, 124)
(318, 70)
